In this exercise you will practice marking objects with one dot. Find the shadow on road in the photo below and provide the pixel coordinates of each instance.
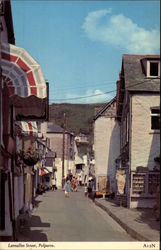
(36, 202)
(27, 233)
(36, 222)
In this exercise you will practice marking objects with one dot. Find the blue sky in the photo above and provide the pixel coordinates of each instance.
(79, 44)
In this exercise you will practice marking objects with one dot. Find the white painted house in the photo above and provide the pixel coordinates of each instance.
(138, 111)
(82, 158)
(64, 157)
(106, 144)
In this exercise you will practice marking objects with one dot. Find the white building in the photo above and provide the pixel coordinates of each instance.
(82, 158)
(106, 144)
(64, 156)
(138, 111)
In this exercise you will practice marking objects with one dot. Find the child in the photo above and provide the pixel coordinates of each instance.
(85, 190)
(67, 188)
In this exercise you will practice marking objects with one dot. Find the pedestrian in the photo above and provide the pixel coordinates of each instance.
(67, 187)
(90, 185)
(85, 190)
(53, 181)
(63, 184)
(75, 185)
(72, 183)
(80, 180)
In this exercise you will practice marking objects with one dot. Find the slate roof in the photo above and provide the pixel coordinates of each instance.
(53, 128)
(135, 78)
(50, 154)
(100, 112)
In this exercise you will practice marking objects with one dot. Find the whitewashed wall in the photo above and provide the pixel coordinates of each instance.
(68, 164)
(145, 144)
(107, 147)
(58, 164)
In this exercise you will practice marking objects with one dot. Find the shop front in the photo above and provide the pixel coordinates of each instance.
(24, 97)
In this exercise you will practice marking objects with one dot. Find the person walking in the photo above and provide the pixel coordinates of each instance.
(76, 185)
(90, 185)
(67, 188)
(53, 184)
(80, 180)
(85, 190)
(72, 183)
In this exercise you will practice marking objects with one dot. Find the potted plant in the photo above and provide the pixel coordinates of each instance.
(31, 156)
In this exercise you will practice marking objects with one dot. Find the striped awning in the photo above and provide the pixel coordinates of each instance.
(43, 172)
(27, 128)
(21, 73)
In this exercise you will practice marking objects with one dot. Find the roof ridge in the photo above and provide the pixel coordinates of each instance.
(104, 108)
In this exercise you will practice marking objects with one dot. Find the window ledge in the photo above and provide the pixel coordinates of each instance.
(144, 195)
(157, 131)
(152, 77)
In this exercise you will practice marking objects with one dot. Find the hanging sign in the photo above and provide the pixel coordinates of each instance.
(121, 181)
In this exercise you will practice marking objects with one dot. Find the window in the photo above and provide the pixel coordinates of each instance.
(153, 182)
(153, 68)
(155, 118)
(138, 184)
(127, 127)
(49, 161)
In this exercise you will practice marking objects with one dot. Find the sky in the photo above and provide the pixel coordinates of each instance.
(79, 44)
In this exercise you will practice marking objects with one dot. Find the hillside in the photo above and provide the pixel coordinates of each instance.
(79, 117)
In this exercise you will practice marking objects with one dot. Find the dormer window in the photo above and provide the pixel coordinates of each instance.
(153, 68)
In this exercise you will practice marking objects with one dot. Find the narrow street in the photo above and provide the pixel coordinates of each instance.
(57, 218)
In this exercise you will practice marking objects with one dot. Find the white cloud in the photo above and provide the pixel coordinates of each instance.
(121, 31)
(91, 96)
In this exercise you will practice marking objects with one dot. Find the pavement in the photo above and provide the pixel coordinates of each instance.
(141, 223)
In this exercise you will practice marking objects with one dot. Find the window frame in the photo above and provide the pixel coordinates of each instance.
(157, 114)
(148, 68)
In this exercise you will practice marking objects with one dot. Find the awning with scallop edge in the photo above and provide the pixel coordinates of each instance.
(21, 73)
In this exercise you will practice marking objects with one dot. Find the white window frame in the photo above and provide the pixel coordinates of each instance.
(148, 68)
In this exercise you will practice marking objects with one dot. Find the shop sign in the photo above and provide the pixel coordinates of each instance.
(121, 181)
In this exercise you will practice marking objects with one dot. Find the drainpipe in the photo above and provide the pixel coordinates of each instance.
(130, 143)
(1, 13)
(63, 152)
(12, 171)
(2, 182)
